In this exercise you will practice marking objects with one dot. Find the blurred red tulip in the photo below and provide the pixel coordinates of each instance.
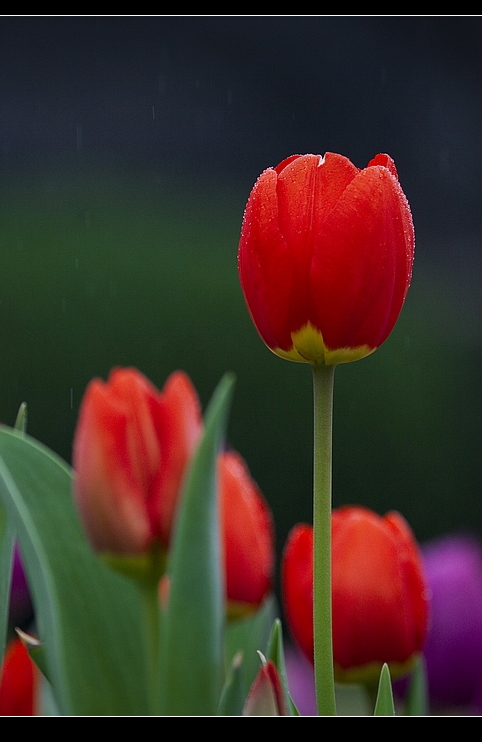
(131, 449)
(380, 604)
(18, 685)
(247, 534)
(325, 256)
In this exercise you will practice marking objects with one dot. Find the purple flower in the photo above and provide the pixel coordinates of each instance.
(301, 681)
(454, 648)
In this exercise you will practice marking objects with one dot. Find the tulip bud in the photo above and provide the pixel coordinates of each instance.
(325, 256)
(247, 536)
(266, 695)
(379, 595)
(131, 449)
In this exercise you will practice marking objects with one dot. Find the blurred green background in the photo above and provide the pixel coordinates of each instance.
(118, 243)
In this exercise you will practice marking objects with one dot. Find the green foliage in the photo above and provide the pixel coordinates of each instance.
(6, 552)
(416, 703)
(192, 652)
(87, 616)
(384, 703)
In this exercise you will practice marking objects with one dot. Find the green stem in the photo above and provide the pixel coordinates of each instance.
(323, 376)
(149, 593)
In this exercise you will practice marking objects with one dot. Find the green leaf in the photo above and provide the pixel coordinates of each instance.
(6, 552)
(233, 696)
(87, 616)
(417, 697)
(275, 653)
(352, 700)
(247, 635)
(193, 646)
(384, 704)
(21, 420)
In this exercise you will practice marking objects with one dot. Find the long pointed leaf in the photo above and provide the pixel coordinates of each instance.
(384, 703)
(193, 647)
(247, 635)
(276, 654)
(87, 616)
(6, 551)
(232, 696)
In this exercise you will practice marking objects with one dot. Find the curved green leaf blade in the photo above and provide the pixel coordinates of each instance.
(247, 635)
(232, 696)
(193, 646)
(87, 616)
(275, 653)
(6, 552)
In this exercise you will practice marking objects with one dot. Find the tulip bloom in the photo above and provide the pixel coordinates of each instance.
(247, 539)
(131, 449)
(325, 256)
(19, 682)
(379, 596)
(247, 536)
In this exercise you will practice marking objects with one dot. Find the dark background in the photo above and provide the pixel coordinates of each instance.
(128, 148)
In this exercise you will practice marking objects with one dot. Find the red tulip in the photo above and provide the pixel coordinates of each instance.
(19, 681)
(379, 593)
(325, 256)
(247, 536)
(131, 449)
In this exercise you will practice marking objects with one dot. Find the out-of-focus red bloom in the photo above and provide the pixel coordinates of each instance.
(18, 686)
(247, 536)
(247, 539)
(132, 446)
(325, 256)
(380, 605)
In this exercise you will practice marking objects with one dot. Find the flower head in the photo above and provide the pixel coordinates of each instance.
(325, 256)
(19, 682)
(247, 536)
(379, 596)
(132, 446)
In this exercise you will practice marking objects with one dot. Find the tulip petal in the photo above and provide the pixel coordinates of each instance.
(376, 586)
(180, 432)
(266, 264)
(107, 491)
(247, 533)
(362, 262)
(19, 682)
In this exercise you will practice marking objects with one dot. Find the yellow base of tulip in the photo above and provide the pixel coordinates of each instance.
(309, 347)
(369, 674)
(144, 568)
(237, 610)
